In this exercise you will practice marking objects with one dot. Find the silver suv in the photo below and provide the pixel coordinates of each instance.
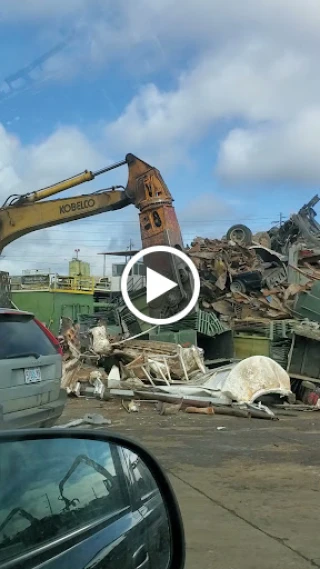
(30, 372)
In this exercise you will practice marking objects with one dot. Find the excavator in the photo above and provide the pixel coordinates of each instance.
(34, 532)
(145, 189)
(109, 480)
(21, 512)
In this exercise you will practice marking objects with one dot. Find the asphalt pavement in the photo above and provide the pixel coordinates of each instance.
(248, 489)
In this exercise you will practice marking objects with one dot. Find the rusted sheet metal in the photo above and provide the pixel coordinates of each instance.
(149, 193)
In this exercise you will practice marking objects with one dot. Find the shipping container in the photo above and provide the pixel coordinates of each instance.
(50, 306)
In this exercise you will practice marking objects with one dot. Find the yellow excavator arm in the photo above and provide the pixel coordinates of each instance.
(18, 220)
(146, 190)
(21, 214)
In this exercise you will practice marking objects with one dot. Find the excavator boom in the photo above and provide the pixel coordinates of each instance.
(22, 513)
(76, 180)
(146, 190)
(82, 458)
(16, 221)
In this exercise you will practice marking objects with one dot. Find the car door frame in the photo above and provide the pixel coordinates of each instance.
(143, 504)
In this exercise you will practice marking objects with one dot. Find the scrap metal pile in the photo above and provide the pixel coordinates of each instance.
(245, 281)
(173, 377)
(240, 282)
(133, 361)
(301, 226)
(259, 276)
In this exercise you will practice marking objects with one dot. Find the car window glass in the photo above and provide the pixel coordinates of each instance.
(19, 336)
(140, 473)
(51, 487)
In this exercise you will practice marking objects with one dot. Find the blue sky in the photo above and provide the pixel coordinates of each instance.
(222, 97)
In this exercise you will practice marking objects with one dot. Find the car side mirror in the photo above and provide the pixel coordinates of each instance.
(85, 499)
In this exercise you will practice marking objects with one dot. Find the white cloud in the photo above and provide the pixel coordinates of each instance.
(256, 65)
(63, 154)
(285, 151)
(107, 29)
(222, 23)
(66, 151)
(200, 17)
(256, 82)
(253, 62)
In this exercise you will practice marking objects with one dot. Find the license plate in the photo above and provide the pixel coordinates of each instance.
(32, 375)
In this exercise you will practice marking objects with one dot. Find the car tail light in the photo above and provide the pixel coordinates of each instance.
(51, 336)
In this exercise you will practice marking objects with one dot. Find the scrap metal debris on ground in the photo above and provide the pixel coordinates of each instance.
(94, 420)
(133, 362)
(174, 377)
(240, 282)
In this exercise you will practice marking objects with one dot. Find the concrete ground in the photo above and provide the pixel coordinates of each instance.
(249, 494)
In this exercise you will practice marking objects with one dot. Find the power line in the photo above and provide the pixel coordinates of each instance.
(181, 221)
(97, 243)
(213, 225)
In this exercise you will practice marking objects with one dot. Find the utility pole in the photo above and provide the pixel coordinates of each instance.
(280, 220)
(77, 251)
(104, 265)
(129, 248)
(46, 495)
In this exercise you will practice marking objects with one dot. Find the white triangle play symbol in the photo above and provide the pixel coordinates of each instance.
(157, 285)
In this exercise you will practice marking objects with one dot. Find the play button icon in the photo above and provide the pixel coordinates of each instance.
(157, 285)
(166, 261)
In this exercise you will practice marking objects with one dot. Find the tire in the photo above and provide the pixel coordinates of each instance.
(238, 286)
(240, 234)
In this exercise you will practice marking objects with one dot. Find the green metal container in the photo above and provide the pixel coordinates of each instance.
(246, 346)
(308, 304)
(135, 326)
(185, 338)
(271, 339)
(50, 306)
(206, 323)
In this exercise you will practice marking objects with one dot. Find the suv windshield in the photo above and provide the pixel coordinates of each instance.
(21, 336)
